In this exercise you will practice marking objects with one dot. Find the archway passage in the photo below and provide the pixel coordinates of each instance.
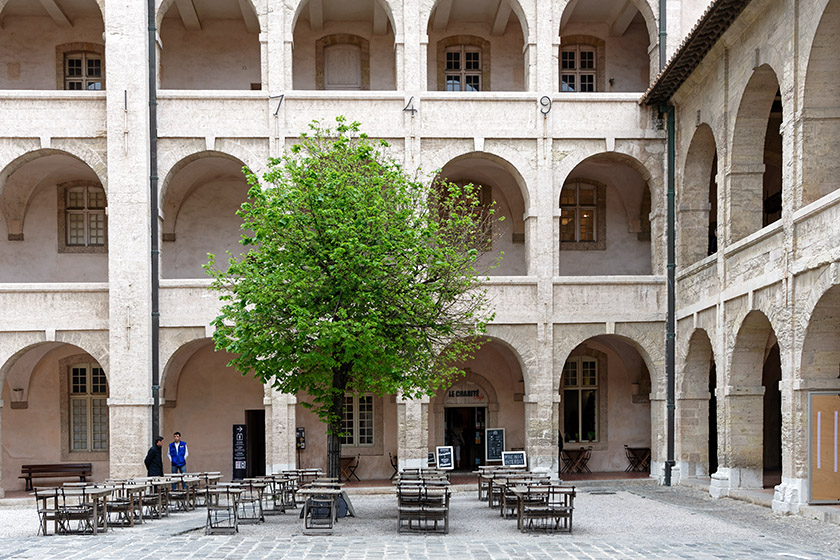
(696, 424)
(605, 46)
(204, 399)
(604, 218)
(501, 185)
(344, 45)
(821, 127)
(477, 46)
(200, 203)
(44, 46)
(210, 45)
(55, 411)
(54, 209)
(605, 402)
(753, 405)
(756, 179)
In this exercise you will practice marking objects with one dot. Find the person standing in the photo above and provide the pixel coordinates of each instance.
(154, 458)
(178, 454)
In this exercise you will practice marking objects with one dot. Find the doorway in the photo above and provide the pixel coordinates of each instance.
(255, 430)
(466, 424)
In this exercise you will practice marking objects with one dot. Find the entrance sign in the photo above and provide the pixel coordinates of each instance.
(466, 394)
(824, 441)
(495, 442)
(445, 456)
(240, 451)
(514, 459)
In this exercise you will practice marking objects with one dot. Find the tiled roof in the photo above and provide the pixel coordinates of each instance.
(712, 25)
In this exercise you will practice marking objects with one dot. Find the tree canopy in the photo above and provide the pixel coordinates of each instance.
(357, 276)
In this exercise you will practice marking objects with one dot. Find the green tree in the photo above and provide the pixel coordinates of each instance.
(357, 277)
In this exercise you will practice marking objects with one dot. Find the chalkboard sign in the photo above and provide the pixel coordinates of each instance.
(240, 451)
(495, 441)
(445, 456)
(430, 461)
(513, 459)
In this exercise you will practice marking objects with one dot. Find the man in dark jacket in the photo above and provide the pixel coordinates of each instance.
(154, 459)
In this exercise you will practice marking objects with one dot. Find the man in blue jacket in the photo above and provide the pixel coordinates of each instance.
(178, 454)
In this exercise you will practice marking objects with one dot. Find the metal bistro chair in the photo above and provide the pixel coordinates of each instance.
(319, 513)
(75, 508)
(394, 465)
(222, 503)
(47, 513)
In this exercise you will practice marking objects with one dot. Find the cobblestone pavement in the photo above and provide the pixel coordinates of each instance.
(612, 521)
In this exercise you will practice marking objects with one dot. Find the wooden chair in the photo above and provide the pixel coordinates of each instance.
(423, 509)
(222, 504)
(319, 513)
(47, 512)
(394, 465)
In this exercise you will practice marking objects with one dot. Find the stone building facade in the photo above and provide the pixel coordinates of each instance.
(537, 101)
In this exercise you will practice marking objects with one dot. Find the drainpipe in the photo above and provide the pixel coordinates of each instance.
(153, 191)
(670, 326)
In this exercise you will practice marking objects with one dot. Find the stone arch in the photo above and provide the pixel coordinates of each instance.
(99, 4)
(164, 5)
(694, 206)
(171, 199)
(750, 350)
(820, 110)
(821, 345)
(85, 154)
(525, 22)
(173, 366)
(748, 167)
(696, 416)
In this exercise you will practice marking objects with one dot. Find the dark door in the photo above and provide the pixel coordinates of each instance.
(464, 430)
(255, 422)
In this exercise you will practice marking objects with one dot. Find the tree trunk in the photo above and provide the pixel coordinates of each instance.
(340, 377)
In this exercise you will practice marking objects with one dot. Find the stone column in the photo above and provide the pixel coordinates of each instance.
(692, 436)
(743, 444)
(412, 432)
(280, 426)
(129, 236)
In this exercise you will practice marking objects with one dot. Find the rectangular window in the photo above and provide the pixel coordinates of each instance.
(577, 68)
(578, 212)
(357, 421)
(580, 400)
(88, 408)
(463, 68)
(83, 71)
(85, 208)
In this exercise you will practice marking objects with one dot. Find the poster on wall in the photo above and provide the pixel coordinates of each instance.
(240, 451)
(495, 442)
(445, 456)
(824, 420)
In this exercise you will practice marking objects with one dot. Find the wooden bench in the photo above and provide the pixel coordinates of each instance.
(55, 470)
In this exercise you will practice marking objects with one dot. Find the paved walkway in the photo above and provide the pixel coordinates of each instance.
(613, 520)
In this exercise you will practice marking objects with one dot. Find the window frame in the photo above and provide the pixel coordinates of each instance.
(64, 372)
(64, 221)
(599, 208)
(353, 437)
(92, 400)
(577, 73)
(342, 39)
(578, 387)
(468, 42)
(577, 43)
(85, 50)
(463, 73)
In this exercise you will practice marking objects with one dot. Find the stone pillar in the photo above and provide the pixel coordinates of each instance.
(692, 436)
(129, 236)
(743, 443)
(412, 432)
(693, 233)
(280, 426)
(2, 489)
(745, 202)
(659, 436)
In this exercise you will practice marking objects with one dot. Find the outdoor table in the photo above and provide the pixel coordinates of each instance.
(223, 508)
(131, 491)
(98, 500)
(249, 508)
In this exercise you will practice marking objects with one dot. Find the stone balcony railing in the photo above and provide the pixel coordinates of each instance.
(762, 259)
(52, 114)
